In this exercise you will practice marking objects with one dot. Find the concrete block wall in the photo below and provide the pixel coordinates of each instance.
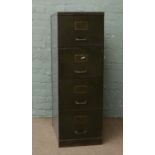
(41, 52)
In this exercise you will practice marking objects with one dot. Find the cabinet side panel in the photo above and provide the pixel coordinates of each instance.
(54, 63)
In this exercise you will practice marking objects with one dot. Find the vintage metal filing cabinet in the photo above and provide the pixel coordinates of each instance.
(77, 76)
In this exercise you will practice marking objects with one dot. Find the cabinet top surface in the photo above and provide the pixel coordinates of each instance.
(80, 13)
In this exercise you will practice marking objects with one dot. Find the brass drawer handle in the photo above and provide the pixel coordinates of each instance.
(83, 132)
(80, 39)
(81, 103)
(80, 71)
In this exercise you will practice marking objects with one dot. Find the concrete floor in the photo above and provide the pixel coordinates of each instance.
(45, 142)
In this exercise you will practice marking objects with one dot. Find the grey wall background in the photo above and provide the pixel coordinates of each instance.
(41, 55)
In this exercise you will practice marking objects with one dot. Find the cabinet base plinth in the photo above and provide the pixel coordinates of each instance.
(80, 142)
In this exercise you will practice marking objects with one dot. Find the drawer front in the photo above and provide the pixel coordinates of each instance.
(80, 94)
(77, 30)
(80, 102)
(80, 62)
(77, 125)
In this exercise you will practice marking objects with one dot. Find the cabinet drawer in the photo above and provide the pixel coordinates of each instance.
(76, 125)
(80, 62)
(80, 102)
(80, 94)
(80, 30)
